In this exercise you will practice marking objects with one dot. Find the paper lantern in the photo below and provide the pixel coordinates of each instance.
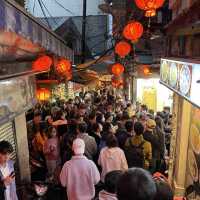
(63, 66)
(42, 63)
(117, 69)
(43, 94)
(133, 30)
(122, 48)
(149, 6)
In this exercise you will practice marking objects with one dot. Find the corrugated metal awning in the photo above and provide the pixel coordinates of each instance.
(17, 22)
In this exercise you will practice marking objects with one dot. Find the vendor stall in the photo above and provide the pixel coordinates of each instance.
(183, 78)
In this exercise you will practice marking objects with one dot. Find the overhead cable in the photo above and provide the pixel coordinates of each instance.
(44, 13)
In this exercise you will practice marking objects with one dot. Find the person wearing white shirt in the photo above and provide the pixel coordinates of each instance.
(7, 175)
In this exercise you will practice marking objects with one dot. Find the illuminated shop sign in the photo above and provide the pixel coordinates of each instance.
(183, 77)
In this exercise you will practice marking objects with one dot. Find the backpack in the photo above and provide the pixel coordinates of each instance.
(135, 154)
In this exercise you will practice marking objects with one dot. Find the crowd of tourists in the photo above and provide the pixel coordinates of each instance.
(101, 146)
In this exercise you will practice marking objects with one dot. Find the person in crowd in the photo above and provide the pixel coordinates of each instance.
(82, 110)
(143, 119)
(123, 134)
(109, 117)
(7, 174)
(59, 119)
(96, 132)
(130, 109)
(144, 108)
(51, 151)
(160, 162)
(77, 101)
(79, 175)
(138, 151)
(111, 157)
(164, 191)
(156, 138)
(33, 125)
(92, 120)
(136, 184)
(90, 143)
(100, 118)
(110, 186)
(39, 140)
(152, 113)
(125, 118)
(107, 129)
(67, 141)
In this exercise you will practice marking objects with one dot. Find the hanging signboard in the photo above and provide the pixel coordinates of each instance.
(183, 77)
(17, 95)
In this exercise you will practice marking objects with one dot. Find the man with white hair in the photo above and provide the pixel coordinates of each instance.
(79, 175)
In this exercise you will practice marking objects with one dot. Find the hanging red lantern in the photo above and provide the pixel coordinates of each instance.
(43, 63)
(122, 48)
(43, 94)
(117, 69)
(133, 30)
(63, 66)
(149, 6)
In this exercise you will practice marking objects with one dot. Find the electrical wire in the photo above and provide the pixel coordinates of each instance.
(44, 13)
(49, 13)
(69, 11)
(34, 7)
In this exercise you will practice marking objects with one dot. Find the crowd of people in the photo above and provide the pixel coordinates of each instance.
(100, 146)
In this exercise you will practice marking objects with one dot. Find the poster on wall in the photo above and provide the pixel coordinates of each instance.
(183, 77)
(17, 95)
(193, 164)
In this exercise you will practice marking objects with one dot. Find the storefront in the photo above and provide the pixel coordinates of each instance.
(183, 78)
(22, 41)
(17, 95)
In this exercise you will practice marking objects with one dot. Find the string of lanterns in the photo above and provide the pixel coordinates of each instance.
(63, 67)
(132, 32)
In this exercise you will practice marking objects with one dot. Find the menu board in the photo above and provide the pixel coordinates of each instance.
(183, 77)
(17, 95)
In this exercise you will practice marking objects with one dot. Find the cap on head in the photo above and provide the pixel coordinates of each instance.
(78, 146)
(151, 124)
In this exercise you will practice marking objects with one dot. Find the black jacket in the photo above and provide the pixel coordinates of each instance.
(157, 140)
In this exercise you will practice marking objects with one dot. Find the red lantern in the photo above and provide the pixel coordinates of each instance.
(63, 66)
(122, 48)
(43, 94)
(43, 63)
(133, 31)
(117, 69)
(149, 6)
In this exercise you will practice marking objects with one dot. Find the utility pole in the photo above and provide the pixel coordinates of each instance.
(83, 43)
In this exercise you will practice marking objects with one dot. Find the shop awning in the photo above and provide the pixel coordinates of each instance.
(22, 36)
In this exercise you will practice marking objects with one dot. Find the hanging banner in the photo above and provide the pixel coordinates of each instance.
(17, 95)
(183, 77)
